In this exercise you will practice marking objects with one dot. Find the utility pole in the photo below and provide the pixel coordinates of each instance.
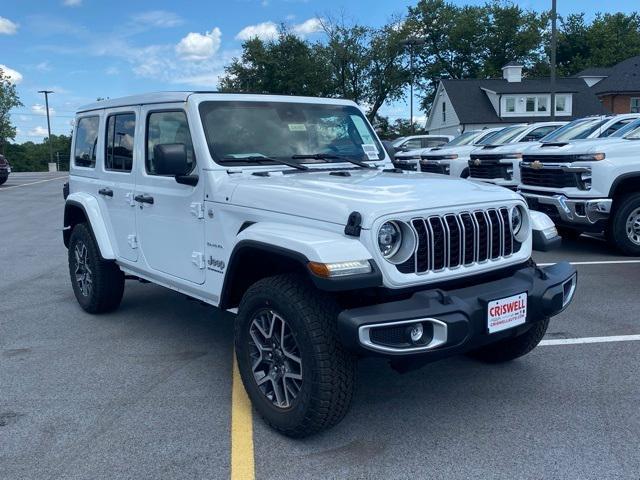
(411, 43)
(46, 103)
(554, 43)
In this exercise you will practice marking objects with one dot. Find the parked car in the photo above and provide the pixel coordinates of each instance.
(5, 169)
(458, 146)
(287, 209)
(501, 164)
(404, 144)
(589, 186)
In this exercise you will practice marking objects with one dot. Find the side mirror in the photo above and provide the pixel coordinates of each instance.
(391, 151)
(171, 159)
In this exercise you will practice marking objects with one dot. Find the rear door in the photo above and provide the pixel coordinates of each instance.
(118, 178)
(169, 215)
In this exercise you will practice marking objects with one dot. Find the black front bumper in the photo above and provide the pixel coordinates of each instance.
(463, 311)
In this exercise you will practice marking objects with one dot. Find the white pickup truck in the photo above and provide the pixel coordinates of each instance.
(501, 165)
(288, 209)
(588, 185)
(459, 147)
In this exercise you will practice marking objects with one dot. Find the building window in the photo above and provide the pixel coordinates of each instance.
(542, 104)
(531, 104)
(444, 112)
(635, 105)
(511, 105)
(561, 103)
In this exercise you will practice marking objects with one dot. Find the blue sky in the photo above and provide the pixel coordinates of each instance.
(83, 49)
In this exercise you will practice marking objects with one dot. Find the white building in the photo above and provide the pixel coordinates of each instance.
(461, 105)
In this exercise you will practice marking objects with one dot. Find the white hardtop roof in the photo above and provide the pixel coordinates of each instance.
(174, 97)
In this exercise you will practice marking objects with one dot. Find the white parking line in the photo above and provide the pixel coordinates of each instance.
(32, 183)
(578, 341)
(596, 262)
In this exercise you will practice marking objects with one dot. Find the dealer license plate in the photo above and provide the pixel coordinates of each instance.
(507, 312)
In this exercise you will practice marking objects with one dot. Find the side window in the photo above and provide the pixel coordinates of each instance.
(412, 144)
(119, 142)
(616, 126)
(86, 134)
(538, 133)
(167, 128)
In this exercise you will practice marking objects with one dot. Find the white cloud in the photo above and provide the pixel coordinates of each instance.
(72, 3)
(40, 109)
(38, 132)
(269, 30)
(14, 76)
(112, 71)
(308, 27)
(196, 46)
(159, 18)
(7, 27)
(43, 66)
(263, 31)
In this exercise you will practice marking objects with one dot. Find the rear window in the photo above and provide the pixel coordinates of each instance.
(86, 140)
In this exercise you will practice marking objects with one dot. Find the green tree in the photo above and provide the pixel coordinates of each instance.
(33, 157)
(287, 65)
(8, 99)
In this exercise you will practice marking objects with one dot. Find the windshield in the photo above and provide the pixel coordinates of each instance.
(505, 135)
(465, 139)
(629, 127)
(485, 138)
(576, 130)
(240, 133)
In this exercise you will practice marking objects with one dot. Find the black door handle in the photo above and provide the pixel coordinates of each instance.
(107, 192)
(144, 199)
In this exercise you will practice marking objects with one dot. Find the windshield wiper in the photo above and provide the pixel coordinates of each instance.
(260, 158)
(330, 156)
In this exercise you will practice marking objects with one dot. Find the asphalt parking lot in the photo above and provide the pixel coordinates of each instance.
(145, 392)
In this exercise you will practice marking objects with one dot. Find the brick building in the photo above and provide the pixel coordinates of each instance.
(617, 87)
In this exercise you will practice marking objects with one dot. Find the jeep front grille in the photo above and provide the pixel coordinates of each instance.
(460, 240)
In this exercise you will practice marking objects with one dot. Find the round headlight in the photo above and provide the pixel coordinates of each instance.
(389, 239)
(516, 220)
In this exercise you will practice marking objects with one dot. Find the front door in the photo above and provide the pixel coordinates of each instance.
(117, 186)
(170, 215)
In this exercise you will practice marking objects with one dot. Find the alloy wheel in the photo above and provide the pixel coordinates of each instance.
(633, 226)
(275, 358)
(83, 273)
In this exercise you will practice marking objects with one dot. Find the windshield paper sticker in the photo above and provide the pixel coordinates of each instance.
(370, 150)
(297, 127)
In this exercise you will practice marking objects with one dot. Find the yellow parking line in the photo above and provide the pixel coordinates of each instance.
(242, 461)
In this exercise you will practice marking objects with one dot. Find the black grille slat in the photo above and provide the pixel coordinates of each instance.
(432, 168)
(488, 171)
(548, 177)
(462, 239)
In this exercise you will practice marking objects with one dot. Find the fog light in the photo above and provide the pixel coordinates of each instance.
(568, 290)
(415, 332)
(550, 232)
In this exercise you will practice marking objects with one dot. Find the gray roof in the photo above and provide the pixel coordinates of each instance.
(622, 78)
(513, 64)
(594, 72)
(472, 105)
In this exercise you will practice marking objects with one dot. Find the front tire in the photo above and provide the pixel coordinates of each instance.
(295, 371)
(97, 284)
(512, 348)
(624, 229)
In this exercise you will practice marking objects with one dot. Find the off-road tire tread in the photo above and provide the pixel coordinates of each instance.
(617, 230)
(512, 348)
(108, 279)
(335, 377)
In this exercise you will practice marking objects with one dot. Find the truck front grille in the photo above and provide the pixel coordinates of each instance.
(460, 240)
(548, 177)
(432, 167)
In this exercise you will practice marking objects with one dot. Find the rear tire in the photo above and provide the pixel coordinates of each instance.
(98, 284)
(296, 397)
(512, 348)
(624, 228)
(3, 179)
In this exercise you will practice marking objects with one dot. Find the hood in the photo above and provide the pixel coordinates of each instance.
(330, 198)
(460, 150)
(506, 148)
(592, 145)
(412, 153)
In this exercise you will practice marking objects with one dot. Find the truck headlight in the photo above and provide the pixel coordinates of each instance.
(396, 241)
(590, 157)
(389, 239)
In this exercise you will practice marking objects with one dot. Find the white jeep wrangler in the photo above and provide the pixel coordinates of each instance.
(288, 209)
